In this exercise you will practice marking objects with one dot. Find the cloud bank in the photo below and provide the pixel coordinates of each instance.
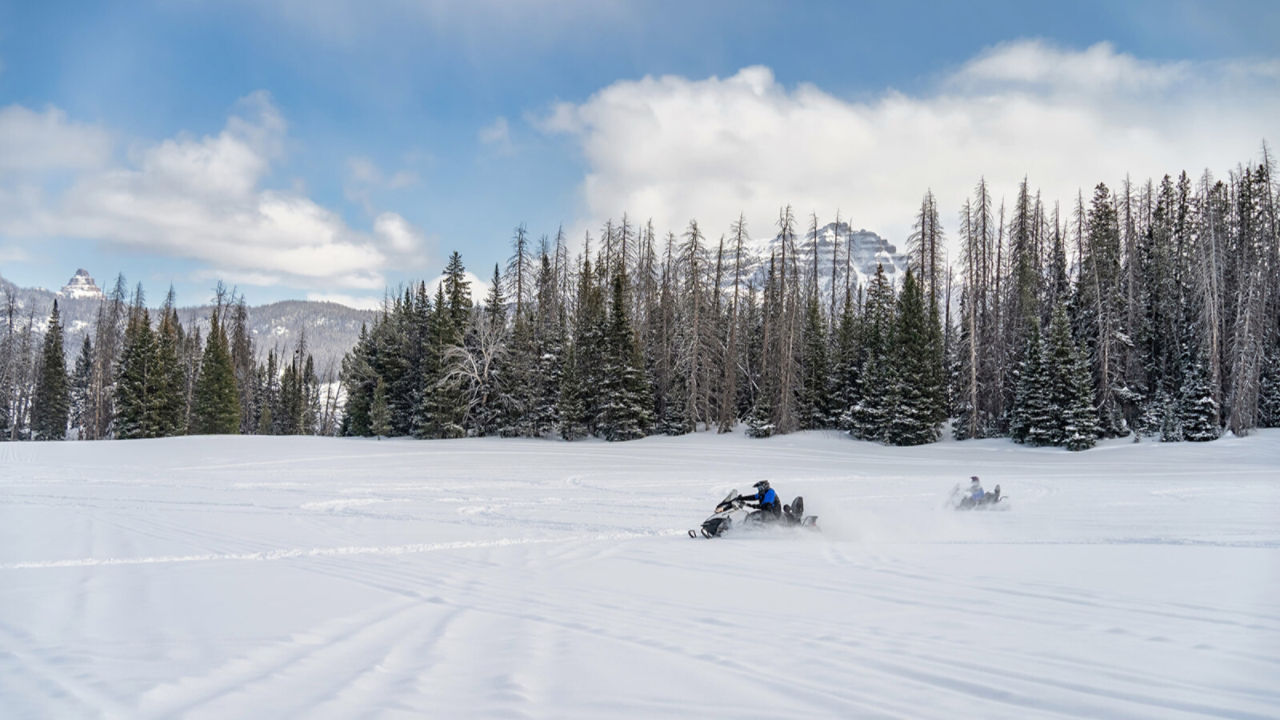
(198, 198)
(674, 148)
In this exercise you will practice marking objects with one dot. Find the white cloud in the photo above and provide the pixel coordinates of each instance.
(673, 149)
(497, 135)
(478, 287)
(203, 199)
(34, 142)
(359, 302)
(397, 233)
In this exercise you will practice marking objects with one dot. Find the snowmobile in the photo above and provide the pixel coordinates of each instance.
(732, 512)
(962, 500)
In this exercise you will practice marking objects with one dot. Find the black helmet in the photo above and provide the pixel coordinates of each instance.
(762, 485)
(974, 478)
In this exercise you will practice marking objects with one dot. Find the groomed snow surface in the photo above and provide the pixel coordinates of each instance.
(246, 577)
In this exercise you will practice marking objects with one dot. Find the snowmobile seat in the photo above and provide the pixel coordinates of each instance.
(795, 511)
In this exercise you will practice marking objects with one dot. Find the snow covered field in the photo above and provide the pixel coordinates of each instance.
(314, 578)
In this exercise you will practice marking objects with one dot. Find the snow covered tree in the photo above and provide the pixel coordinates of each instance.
(1032, 421)
(79, 391)
(869, 419)
(1070, 387)
(1269, 388)
(813, 404)
(624, 411)
(217, 400)
(916, 392)
(136, 385)
(52, 399)
(379, 413)
(170, 374)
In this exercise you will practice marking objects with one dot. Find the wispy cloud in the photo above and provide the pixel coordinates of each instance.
(497, 135)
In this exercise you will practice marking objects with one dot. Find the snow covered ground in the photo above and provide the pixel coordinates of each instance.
(315, 578)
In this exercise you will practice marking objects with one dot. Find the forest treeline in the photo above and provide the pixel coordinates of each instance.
(1152, 309)
(136, 376)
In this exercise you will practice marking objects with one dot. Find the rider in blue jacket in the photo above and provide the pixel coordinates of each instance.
(766, 500)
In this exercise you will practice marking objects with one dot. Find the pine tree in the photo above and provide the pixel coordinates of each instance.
(52, 399)
(870, 417)
(624, 411)
(1070, 387)
(813, 404)
(80, 385)
(571, 410)
(1030, 399)
(379, 413)
(1198, 415)
(217, 401)
(241, 348)
(845, 386)
(359, 380)
(171, 378)
(914, 414)
(136, 385)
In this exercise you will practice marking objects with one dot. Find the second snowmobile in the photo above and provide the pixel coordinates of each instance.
(962, 500)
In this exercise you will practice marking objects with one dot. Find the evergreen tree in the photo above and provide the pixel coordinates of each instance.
(1040, 420)
(80, 386)
(170, 374)
(624, 413)
(52, 399)
(916, 393)
(870, 417)
(813, 404)
(1198, 416)
(359, 380)
(1070, 387)
(379, 413)
(137, 384)
(571, 410)
(845, 386)
(216, 407)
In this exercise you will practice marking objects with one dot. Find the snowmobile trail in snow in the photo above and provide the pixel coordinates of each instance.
(308, 577)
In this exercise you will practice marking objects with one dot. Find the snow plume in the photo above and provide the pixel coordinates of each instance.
(674, 148)
(202, 199)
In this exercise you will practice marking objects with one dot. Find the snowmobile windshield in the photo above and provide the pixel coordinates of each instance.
(732, 495)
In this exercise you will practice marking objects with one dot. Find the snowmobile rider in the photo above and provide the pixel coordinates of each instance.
(766, 501)
(976, 492)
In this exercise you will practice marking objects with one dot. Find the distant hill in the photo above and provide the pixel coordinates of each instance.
(331, 329)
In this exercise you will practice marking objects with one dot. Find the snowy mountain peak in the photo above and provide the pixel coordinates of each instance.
(859, 250)
(81, 287)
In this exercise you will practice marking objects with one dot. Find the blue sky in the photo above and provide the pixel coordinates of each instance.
(179, 142)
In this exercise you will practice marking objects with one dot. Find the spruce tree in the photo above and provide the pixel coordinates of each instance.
(170, 375)
(1198, 412)
(916, 392)
(1268, 388)
(80, 387)
(624, 413)
(379, 413)
(871, 415)
(1029, 377)
(359, 380)
(216, 407)
(52, 398)
(845, 388)
(136, 386)
(813, 404)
